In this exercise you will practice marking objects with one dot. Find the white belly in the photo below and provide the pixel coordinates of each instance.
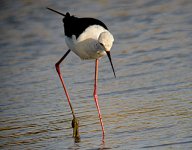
(87, 46)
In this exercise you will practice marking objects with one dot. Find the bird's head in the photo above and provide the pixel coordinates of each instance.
(106, 41)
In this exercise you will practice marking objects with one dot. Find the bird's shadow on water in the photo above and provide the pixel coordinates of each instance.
(78, 141)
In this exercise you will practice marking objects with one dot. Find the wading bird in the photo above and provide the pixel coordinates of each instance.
(88, 38)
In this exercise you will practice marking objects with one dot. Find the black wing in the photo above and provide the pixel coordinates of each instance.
(76, 26)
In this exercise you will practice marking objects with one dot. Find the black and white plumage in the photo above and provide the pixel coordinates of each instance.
(85, 37)
(88, 38)
(76, 26)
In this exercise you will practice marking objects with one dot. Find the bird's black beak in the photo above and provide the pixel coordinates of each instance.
(109, 56)
(56, 11)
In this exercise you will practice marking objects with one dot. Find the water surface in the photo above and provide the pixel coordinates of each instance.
(148, 105)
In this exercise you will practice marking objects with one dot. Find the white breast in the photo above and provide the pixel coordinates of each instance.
(86, 46)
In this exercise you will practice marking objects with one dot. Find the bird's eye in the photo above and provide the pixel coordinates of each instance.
(101, 44)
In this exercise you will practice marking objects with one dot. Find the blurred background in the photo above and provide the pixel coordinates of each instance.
(148, 105)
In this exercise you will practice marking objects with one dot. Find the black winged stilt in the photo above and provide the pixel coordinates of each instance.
(88, 38)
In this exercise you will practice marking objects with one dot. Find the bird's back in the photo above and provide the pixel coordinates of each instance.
(76, 26)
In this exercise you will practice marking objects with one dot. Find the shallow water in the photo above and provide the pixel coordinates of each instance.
(148, 105)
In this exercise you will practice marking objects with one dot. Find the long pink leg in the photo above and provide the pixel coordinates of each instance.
(75, 122)
(62, 81)
(96, 97)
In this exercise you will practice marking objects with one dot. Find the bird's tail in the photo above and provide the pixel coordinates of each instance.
(56, 11)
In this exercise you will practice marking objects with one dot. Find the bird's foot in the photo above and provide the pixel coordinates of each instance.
(75, 126)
